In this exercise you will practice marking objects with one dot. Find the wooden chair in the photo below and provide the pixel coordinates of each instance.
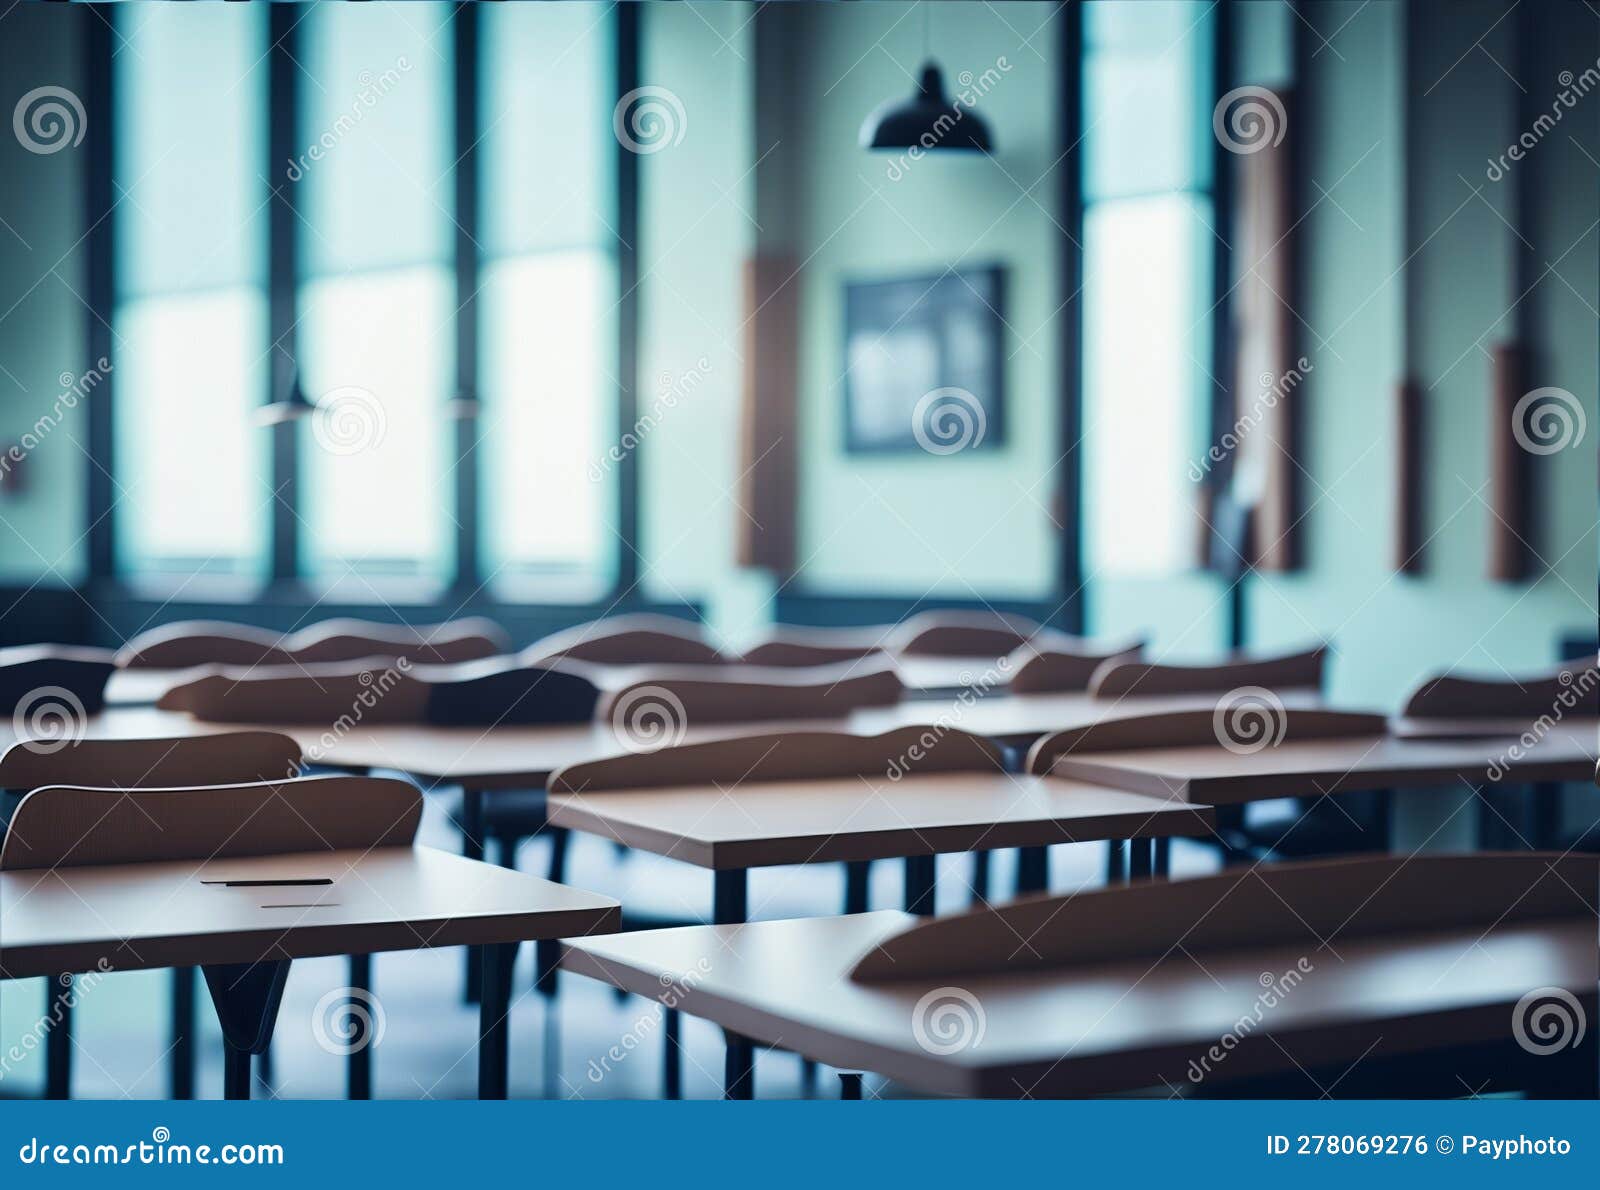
(794, 645)
(955, 633)
(1051, 666)
(1361, 825)
(1571, 688)
(188, 643)
(1301, 670)
(742, 694)
(1450, 705)
(123, 764)
(640, 639)
(54, 682)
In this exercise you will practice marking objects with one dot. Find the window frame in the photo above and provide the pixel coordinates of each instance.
(288, 584)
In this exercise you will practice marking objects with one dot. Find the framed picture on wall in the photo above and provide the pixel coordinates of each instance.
(925, 363)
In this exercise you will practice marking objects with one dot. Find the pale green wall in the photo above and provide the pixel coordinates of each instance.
(1390, 630)
(42, 318)
(965, 524)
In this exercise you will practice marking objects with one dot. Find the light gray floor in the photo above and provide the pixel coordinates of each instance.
(428, 1044)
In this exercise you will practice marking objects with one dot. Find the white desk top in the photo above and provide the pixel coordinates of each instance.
(1099, 1028)
(856, 818)
(136, 916)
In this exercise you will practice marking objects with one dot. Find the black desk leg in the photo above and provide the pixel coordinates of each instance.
(738, 1067)
(849, 1084)
(730, 906)
(58, 1042)
(919, 884)
(494, 1020)
(672, 1057)
(359, 1007)
(980, 877)
(1139, 859)
(183, 1030)
(1033, 870)
(547, 952)
(1163, 859)
(730, 897)
(857, 876)
(246, 997)
(1116, 855)
(472, 848)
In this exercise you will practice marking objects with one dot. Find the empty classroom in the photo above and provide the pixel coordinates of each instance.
(895, 551)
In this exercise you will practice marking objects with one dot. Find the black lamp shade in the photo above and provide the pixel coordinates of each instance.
(926, 121)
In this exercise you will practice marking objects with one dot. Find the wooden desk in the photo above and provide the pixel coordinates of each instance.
(1398, 1008)
(731, 829)
(1213, 775)
(127, 917)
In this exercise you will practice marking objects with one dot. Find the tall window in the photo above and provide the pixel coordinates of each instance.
(368, 298)
(1147, 279)
(189, 323)
(377, 295)
(549, 291)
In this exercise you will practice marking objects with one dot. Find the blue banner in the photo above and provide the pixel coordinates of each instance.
(1485, 1142)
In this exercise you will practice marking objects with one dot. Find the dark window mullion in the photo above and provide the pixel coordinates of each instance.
(283, 107)
(468, 563)
(99, 200)
(628, 17)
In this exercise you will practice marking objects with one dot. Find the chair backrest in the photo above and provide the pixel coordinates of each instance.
(791, 645)
(1275, 904)
(378, 691)
(72, 826)
(1287, 671)
(1249, 722)
(226, 758)
(957, 633)
(187, 643)
(735, 694)
(506, 693)
(1572, 688)
(640, 639)
(785, 756)
(1064, 665)
(45, 682)
(469, 639)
